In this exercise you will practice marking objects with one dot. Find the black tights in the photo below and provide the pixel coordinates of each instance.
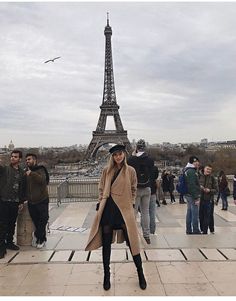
(107, 233)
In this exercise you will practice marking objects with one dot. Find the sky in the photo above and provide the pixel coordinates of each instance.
(174, 69)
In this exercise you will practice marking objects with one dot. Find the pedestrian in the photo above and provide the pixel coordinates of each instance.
(38, 198)
(171, 178)
(12, 197)
(223, 190)
(192, 196)
(234, 189)
(164, 185)
(153, 201)
(143, 165)
(115, 213)
(181, 199)
(208, 190)
(159, 192)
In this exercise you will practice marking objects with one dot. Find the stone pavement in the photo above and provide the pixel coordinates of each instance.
(175, 264)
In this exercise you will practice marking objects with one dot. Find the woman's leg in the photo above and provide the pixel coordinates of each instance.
(106, 254)
(137, 261)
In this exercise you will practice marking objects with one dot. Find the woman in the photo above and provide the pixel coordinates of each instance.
(115, 213)
(164, 185)
(223, 185)
(171, 186)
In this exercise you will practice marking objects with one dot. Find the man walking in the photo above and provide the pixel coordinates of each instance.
(143, 165)
(12, 197)
(38, 199)
(192, 196)
(153, 200)
(208, 189)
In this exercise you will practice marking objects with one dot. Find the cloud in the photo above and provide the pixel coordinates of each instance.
(174, 69)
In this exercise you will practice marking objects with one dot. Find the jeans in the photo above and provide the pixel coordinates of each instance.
(204, 215)
(192, 216)
(224, 200)
(211, 222)
(8, 216)
(152, 213)
(142, 201)
(39, 215)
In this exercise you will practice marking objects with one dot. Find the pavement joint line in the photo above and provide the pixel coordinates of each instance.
(51, 256)
(10, 260)
(183, 255)
(223, 254)
(71, 255)
(202, 254)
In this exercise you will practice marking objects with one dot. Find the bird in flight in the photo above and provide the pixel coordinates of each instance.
(52, 60)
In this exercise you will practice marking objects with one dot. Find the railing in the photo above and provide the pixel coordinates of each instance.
(62, 191)
(79, 189)
(86, 189)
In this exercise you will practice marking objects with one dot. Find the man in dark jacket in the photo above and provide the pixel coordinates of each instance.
(38, 199)
(12, 197)
(143, 165)
(192, 196)
(208, 190)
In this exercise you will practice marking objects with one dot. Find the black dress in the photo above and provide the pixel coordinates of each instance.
(111, 214)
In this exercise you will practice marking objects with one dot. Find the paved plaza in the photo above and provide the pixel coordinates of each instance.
(175, 264)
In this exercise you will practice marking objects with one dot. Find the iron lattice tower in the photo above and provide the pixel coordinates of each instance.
(109, 107)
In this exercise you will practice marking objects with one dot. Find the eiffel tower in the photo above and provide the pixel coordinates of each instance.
(109, 107)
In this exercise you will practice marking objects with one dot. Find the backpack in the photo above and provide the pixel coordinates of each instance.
(142, 175)
(181, 185)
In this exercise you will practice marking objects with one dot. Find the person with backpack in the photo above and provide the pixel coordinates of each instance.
(208, 190)
(38, 199)
(143, 166)
(192, 195)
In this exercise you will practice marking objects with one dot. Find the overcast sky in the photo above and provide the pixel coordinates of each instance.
(174, 68)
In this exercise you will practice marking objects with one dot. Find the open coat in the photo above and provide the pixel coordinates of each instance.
(123, 193)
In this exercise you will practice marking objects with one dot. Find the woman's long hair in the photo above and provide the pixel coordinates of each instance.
(112, 166)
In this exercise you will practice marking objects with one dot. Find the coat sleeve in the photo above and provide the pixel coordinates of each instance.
(133, 185)
(101, 185)
(38, 176)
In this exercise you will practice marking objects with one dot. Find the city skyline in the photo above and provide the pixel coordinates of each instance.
(174, 69)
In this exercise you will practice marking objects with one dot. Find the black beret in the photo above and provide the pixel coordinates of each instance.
(116, 148)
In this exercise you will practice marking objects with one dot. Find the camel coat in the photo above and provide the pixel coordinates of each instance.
(123, 193)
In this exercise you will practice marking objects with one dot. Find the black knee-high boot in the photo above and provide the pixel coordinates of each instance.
(106, 254)
(138, 263)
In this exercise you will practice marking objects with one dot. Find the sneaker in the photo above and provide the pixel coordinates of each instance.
(147, 240)
(34, 240)
(212, 232)
(41, 245)
(12, 246)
